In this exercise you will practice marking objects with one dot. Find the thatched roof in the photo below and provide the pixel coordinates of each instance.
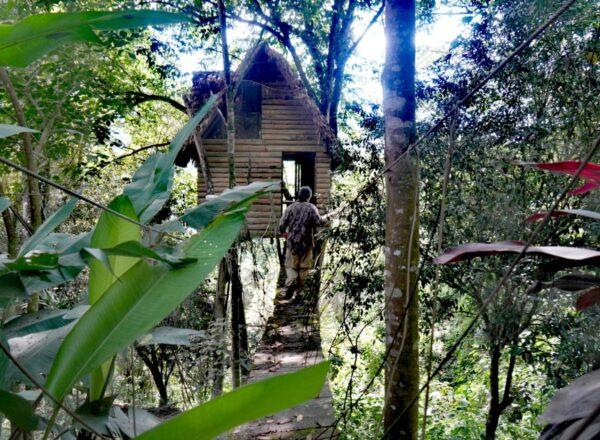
(207, 83)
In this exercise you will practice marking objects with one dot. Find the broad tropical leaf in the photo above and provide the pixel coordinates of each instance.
(40, 321)
(48, 226)
(96, 413)
(29, 39)
(202, 215)
(144, 421)
(590, 173)
(18, 411)
(151, 184)
(11, 287)
(36, 350)
(111, 231)
(7, 130)
(574, 282)
(562, 212)
(245, 404)
(135, 250)
(471, 250)
(588, 298)
(575, 401)
(137, 302)
(169, 336)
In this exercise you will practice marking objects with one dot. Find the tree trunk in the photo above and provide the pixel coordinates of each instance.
(239, 334)
(35, 197)
(10, 225)
(237, 307)
(401, 238)
(497, 405)
(152, 361)
(219, 320)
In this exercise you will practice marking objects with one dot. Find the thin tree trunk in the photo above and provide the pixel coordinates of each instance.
(497, 405)
(35, 197)
(235, 325)
(220, 323)
(10, 225)
(152, 362)
(494, 411)
(237, 306)
(239, 335)
(436, 281)
(401, 240)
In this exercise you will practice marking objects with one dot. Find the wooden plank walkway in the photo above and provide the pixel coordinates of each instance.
(291, 341)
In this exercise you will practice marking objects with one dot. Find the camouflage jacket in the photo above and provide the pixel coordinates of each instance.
(300, 220)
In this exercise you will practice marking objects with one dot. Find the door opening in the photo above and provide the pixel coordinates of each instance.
(298, 171)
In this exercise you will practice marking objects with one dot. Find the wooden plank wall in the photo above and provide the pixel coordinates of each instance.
(286, 127)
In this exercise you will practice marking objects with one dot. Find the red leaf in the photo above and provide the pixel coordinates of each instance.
(584, 188)
(591, 171)
(588, 298)
(472, 250)
(562, 212)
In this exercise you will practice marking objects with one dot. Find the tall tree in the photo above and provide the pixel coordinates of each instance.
(402, 223)
(29, 159)
(239, 334)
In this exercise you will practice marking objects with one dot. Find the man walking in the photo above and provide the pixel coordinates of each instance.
(298, 223)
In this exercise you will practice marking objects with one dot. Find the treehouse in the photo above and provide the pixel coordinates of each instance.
(280, 135)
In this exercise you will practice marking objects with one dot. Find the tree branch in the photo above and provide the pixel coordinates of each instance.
(140, 97)
(147, 147)
(374, 19)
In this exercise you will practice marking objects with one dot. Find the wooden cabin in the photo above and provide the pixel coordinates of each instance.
(280, 135)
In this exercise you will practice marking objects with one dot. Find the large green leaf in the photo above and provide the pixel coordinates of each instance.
(134, 250)
(142, 297)
(151, 184)
(48, 226)
(36, 350)
(7, 130)
(18, 411)
(247, 403)
(27, 40)
(202, 215)
(40, 321)
(11, 286)
(110, 231)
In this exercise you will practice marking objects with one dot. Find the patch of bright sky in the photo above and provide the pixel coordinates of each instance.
(366, 65)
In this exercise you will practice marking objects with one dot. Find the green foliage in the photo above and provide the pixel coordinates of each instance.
(47, 227)
(247, 403)
(135, 303)
(29, 39)
(202, 215)
(110, 231)
(18, 411)
(151, 185)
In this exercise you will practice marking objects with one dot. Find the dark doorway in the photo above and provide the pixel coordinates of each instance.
(298, 171)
